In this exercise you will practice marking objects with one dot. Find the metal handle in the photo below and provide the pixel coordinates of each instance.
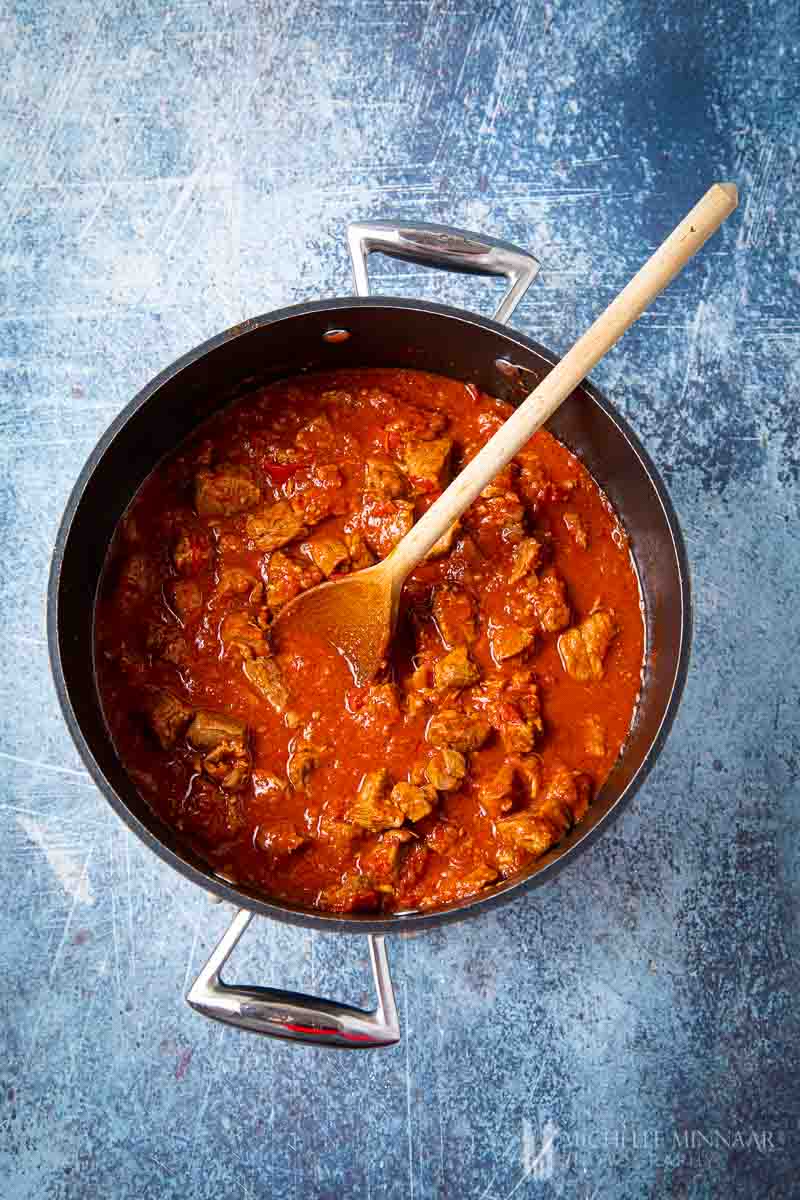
(293, 1015)
(444, 247)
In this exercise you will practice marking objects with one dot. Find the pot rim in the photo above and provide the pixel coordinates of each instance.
(355, 923)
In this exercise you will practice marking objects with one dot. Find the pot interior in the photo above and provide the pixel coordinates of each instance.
(388, 333)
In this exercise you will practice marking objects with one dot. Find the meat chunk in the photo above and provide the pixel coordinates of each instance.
(550, 603)
(355, 893)
(583, 648)
(594, 738)
(524, 691)
(566, 797)
(239, 634)
(517, 733)
(209, 729)
(563, 804)
(163, 641)
(498, 523)
(228, 764)
(187, 598)
(515, 712)
(576, 529)
(527, 832)
(526, 558)
(304, 757)
(230, 543)
(415, 801)
(326, 552)
(265, 676)
(474, 881)
(168, 717)
(384, 522)
(359, 551)
(427, 464)
(419, 692)
(319, 494)
(235, 581)
(279, 839)
(446, 769)
(382, 862)
(373, 807)
(192, 552)
(456, 670)
(224, 492)
(274, 525)
(287, 578)
(529, 773)
(508, 641)
(415, 425)
(384, 479)
(413, 866)
(341, 835)
(496, 794)
(533, 480)
(454, 614)
(455, 730)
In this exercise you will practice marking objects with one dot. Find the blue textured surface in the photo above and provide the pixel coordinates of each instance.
(167, 169)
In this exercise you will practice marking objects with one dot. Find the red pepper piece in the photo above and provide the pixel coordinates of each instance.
(280, 472)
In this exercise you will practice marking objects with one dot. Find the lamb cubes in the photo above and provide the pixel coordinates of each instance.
(274, 525)
(583, 648)
(427, 464)
(415, 801)
(455, 670)
(168, 717)
(452, 729)
(446, 769)
(374, 808)
(383, 478)
(454, 614)
(265, 676)
(224, 492)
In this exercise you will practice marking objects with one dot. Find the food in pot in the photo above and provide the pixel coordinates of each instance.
(510, 686)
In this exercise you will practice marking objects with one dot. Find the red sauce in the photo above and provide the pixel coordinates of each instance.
(512, 680)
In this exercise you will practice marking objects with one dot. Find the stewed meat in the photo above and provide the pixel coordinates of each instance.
(225, 492)
(584, 647)
(501, 704)
(274, 526)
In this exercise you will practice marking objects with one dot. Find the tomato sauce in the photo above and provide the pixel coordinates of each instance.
(512, 680)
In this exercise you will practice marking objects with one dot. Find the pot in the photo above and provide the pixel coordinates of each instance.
(349, 332)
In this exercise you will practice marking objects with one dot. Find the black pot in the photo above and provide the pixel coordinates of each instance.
(380, 332)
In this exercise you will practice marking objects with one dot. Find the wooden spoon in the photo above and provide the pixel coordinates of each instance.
(358, 613)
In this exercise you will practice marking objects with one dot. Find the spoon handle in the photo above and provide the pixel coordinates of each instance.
(659, 270)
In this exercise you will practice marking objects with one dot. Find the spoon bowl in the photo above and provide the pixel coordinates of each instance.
(356, 615)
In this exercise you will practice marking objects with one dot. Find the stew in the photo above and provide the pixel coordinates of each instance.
(512, 680)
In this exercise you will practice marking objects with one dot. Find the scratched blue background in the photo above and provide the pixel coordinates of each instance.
(168, 169)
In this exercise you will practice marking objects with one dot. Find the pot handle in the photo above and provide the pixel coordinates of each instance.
(445, 247)
(292, 1015)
